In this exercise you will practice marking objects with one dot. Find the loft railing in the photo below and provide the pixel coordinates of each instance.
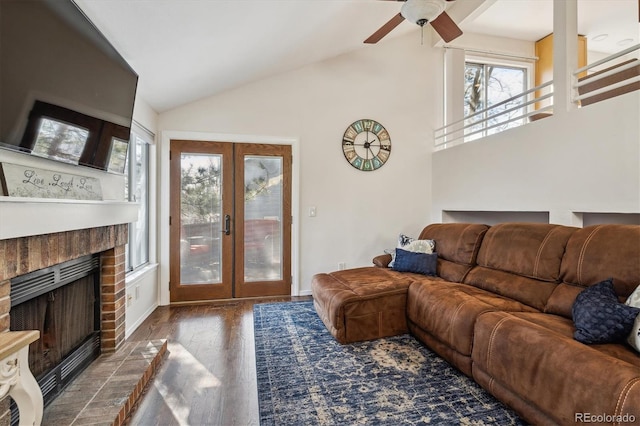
(613, 81)
(496, 118)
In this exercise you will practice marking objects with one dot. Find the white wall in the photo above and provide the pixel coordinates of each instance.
(145, 115)
(585, 160)
(358, 213)
(142, 297)
(501, 45)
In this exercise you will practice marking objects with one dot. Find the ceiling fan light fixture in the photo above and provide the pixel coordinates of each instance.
(422, 11)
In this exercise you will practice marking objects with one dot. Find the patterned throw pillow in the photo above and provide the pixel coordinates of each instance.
(411, 244)
(419, 263)
(634, 336)
(599, 317)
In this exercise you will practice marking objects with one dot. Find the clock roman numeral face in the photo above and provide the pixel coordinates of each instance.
(366, 145)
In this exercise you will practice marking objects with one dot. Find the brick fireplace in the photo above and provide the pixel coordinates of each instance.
(22, 255)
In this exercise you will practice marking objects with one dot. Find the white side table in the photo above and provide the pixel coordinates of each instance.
(16, 380)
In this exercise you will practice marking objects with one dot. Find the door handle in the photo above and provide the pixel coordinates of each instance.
(227, 224)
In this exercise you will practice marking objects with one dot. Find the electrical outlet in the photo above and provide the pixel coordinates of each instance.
(342, 266)
(312, 211)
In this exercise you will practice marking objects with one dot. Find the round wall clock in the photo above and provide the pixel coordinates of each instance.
(366, 145)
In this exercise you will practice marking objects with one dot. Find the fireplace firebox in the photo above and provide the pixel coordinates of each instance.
(63, 303)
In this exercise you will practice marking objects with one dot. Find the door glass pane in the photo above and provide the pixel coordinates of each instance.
(262, 218)
(200, 214)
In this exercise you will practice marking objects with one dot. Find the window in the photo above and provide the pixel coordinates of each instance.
(489, 85)
(137, 190)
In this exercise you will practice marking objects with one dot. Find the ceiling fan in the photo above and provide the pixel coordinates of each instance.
(421, 12)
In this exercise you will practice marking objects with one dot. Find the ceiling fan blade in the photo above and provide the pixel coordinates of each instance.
(385, 29)
(445, 26)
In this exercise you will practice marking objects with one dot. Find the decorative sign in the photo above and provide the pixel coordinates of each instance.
(24, 181)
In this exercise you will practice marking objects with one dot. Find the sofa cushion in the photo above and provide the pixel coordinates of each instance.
(419, 263)
(528, 249)
(362, 303)
(523, 289)
(598, 252)
(456, 242)
(448, 311)
(457, 245)
(521, 261)
(565, 327)
(547, 369)
(593, 254)
(599, 317)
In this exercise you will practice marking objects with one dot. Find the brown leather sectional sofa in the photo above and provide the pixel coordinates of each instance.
(499, 310)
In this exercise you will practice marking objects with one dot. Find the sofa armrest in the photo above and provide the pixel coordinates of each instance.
(382, 260)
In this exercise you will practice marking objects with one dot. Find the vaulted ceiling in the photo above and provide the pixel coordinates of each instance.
(186, 50)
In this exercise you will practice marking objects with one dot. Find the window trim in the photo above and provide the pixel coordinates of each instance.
(147, 139)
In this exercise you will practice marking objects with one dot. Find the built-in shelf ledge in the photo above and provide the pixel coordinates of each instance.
(494, 217)
(597, 218)
(23, 217)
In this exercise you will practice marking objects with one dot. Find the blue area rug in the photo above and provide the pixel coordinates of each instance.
(305, 377)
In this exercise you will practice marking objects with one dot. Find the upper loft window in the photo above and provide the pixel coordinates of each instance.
(490, 98)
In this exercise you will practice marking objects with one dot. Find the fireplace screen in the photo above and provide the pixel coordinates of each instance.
(62, 302)
(64, 316)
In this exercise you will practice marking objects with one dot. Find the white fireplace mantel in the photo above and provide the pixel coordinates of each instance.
(23, 217)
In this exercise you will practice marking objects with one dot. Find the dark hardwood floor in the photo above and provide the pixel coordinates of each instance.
(209, 375)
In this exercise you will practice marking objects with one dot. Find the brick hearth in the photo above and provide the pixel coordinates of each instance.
(19, 256)
(107, 391)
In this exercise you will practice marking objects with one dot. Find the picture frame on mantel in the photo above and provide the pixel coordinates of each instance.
(32, 182)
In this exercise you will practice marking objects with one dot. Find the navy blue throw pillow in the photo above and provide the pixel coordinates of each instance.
(599, 317)
(419, 263)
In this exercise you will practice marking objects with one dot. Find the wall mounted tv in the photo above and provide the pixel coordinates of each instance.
(65, 92)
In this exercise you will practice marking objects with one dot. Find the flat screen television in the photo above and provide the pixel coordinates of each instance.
(65, 92)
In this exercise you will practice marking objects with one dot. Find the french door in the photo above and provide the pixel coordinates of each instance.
(230, 220)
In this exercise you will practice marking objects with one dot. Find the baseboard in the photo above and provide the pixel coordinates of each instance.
(129, 331)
